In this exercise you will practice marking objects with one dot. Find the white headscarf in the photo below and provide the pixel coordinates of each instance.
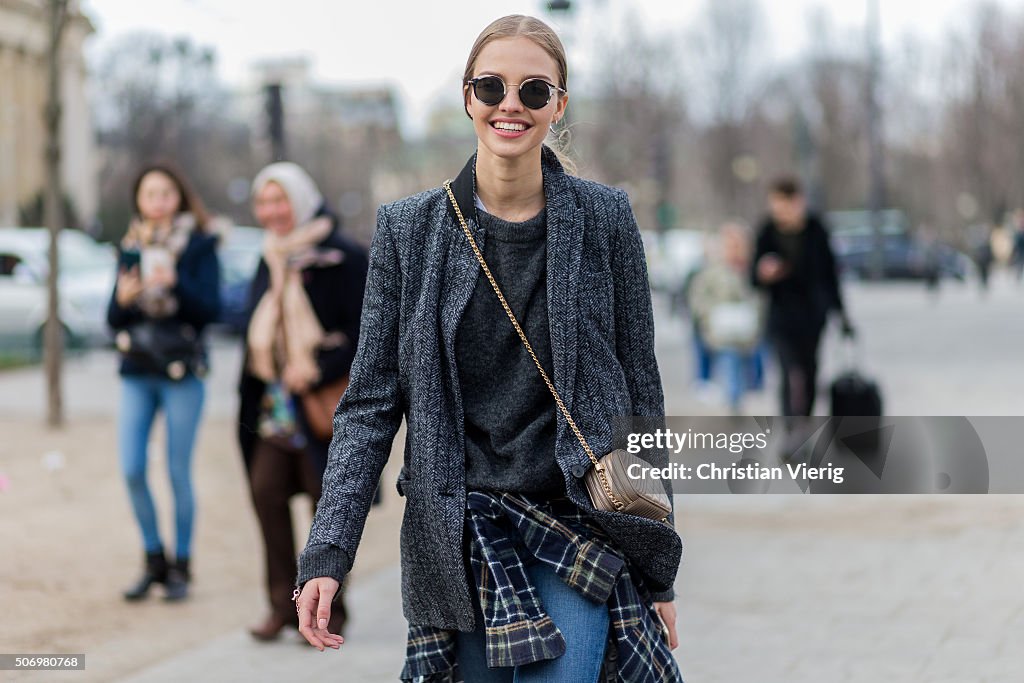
(302, 192)
(284, 329)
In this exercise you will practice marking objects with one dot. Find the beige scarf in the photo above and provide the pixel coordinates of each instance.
(284, 330)
(159, 302)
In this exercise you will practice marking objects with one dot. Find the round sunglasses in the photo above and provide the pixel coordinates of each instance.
(534, 93)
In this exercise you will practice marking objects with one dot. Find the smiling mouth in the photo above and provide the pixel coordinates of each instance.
(509, 127)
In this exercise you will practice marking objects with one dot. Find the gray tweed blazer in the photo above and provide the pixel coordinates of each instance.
(422, 274)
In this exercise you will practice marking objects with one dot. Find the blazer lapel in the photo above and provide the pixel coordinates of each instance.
(461, 267)
(464, 187)
(565, 247)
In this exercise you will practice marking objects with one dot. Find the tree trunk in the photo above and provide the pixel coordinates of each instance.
(876, 169)
(54, 338)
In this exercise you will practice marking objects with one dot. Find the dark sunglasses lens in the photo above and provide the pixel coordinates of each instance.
(489, 90)
(534, 93)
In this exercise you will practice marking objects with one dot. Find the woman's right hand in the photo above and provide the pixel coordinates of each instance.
(129, 286)
(315, 599)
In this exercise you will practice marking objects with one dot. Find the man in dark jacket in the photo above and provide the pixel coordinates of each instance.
(794, 264)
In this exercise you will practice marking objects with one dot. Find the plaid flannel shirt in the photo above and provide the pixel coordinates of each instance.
(504, 529)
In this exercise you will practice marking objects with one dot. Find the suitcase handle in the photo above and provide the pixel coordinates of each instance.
(852, 353)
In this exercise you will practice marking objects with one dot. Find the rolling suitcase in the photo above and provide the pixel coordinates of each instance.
(857, 402)
(853, 393)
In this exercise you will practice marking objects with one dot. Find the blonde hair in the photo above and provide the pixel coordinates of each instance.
(522, 26)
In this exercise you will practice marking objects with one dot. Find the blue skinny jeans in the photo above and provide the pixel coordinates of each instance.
(182, 404)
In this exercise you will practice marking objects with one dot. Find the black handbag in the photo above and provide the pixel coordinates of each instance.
(166, 347)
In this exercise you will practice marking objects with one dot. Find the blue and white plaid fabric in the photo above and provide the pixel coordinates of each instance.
(504, 530)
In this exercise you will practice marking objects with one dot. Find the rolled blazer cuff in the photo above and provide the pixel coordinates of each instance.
(323, 559)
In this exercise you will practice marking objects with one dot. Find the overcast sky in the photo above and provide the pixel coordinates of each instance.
(419, 46)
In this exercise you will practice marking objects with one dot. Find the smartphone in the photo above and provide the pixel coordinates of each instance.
(155, 259)
(128, 259)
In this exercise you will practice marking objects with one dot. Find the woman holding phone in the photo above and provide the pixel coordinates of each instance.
(509, 572)
(168, 278)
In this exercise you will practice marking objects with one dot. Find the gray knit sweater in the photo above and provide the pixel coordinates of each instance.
(510, 414)
(422, 275)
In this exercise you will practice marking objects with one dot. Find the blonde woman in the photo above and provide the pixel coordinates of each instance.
(508, 571)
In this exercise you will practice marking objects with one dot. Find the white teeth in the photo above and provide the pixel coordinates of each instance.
(509, 126)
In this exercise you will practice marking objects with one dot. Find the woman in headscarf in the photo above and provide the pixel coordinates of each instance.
(301, 338)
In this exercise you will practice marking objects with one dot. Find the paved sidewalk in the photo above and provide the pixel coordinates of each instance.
(375, 641)
(798, 589)
(852, 589)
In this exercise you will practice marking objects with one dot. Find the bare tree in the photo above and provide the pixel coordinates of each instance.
(914, 134)
(729, 54)
(981, 147)
(54, 333)
(839, 130)
(639, 119)
(162, 100)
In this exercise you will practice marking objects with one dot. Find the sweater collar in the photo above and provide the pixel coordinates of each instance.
(464, 185)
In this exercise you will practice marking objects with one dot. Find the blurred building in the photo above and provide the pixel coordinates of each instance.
(441, 153)
(347, 137)
(24, 41)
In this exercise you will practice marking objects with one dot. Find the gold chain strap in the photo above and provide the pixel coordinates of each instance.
(602, 475)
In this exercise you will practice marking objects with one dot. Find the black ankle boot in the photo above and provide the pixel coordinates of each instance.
(178, 578)
(154, 572)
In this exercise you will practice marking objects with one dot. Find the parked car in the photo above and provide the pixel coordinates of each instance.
(905, 259)
(904, 256)
(87, 273)
(239, 257)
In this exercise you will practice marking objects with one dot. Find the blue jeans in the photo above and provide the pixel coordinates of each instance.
(742, 370)
(702, 356)
(733, 365)
(583, 624)
(182, 403)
